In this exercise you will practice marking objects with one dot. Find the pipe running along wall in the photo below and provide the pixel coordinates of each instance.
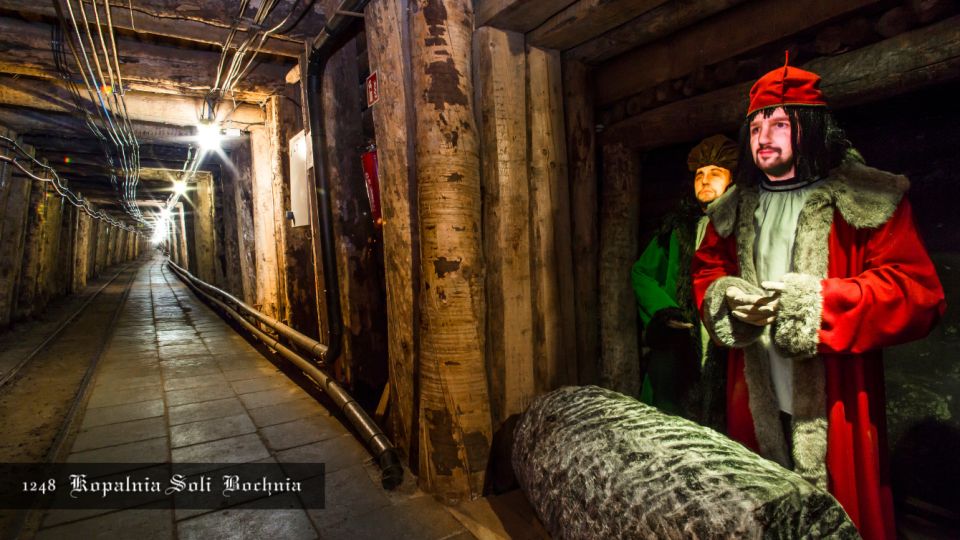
(343, 25)
(371, 435)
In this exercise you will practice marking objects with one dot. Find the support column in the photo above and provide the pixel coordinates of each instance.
(182, 237)
(50, 249)
(26, 295)
(358, 248)
(81, 251)
(500, 73)
(244, 224)
(203, 228)
(578, 100)
(268, 218)
(299, 272)
(14, 199)
(619, 248)
(455, 425)
(388, 46)
(555, 343)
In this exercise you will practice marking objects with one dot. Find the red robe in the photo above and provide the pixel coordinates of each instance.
(880, 289)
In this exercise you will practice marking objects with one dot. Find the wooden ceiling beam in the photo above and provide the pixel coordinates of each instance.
(144, 66)
(54, 95)
(200, 21)
(585, 20)
(51, 124)
(516, 15)
(898, 65)
(655, 24)
(713, 41)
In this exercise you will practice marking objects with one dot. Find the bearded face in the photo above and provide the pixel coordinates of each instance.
(710, 182)
(771, 145)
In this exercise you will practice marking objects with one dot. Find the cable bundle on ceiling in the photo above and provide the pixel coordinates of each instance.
(90, 40)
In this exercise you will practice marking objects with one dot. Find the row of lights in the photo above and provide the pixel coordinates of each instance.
(209, 138)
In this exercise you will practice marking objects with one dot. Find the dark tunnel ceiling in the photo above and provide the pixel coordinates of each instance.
(167, 49)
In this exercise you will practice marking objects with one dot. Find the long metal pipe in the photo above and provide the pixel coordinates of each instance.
(341, 26)
(371, 435)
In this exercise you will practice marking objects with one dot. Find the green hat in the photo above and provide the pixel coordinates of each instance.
(716, 150)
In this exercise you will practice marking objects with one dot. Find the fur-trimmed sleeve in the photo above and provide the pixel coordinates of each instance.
(895, 299)
(715, 268)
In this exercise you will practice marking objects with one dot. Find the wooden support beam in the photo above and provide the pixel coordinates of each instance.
(243, 200)
(455, 431)
(699, 45)
(581, 149)
(55, 96)
(388, 45)
(49, 124)
(144, 66)
(364, 358)
(49, 249)
(906, 62)
(500, 66)
(197, 21)
(619, 248)
(652, 25)
(555, 339)
(81, 252)
(586, 19)
(14, 202)
(268, 219)
(26, 296)
(203, 205)
(516, 15)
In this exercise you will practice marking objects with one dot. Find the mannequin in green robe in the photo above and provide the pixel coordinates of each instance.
(684, 372)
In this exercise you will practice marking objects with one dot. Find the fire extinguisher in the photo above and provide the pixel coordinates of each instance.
(372, 179)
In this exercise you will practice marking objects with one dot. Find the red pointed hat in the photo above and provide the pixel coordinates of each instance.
(786, 86)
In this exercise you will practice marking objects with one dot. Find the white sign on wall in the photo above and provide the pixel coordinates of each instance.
(299, 191)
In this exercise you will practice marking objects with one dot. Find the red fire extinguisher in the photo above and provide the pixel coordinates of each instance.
(372, 179)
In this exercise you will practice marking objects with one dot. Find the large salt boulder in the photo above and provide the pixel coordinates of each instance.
(597, 464)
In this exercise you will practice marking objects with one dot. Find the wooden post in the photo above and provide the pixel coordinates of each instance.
(300, 290)
(203, 228)
(67, 249)
(268, 218)
(455, 425)
(52, 217)
(363, 362)
(243, 208)
(81, 251)
(500, 66)
(619, 249)
(388, 46)
(26, 296)
(14, 198)
(578, 102)
(181, 237)
(555, 340)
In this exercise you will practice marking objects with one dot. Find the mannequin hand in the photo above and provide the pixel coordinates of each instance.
(753, 308)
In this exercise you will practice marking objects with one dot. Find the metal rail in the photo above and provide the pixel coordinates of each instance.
(249, 318)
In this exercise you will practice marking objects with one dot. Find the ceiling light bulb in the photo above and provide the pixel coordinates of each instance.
(179, 187)
(208, 136)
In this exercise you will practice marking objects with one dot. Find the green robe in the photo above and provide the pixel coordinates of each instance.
(681, 375)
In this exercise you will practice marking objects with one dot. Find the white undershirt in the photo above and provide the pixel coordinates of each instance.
(776, 224)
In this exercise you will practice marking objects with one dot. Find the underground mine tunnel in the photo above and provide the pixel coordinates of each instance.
(453, 269)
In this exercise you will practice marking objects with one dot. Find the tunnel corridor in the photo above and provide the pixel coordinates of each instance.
(171, 382)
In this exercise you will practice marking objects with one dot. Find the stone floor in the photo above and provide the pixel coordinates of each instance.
(177, 384)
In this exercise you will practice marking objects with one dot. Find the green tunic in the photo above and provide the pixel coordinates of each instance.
(661, 284)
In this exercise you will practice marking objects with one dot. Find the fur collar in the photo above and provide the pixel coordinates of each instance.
(866, 197)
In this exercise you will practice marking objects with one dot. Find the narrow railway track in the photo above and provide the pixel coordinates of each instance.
(40, 398)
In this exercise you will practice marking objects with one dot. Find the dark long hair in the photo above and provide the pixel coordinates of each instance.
(819, 144)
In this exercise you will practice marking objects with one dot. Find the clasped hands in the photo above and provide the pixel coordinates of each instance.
(755, 309)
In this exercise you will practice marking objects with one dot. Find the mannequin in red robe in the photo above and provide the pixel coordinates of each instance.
(859, 280)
